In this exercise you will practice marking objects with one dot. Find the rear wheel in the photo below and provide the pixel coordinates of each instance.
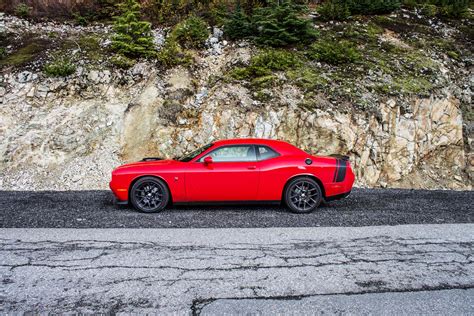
(303, 195)
(149, 195)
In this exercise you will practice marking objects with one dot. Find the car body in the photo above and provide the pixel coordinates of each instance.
(235, 170)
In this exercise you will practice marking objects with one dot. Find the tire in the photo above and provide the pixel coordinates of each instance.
(149, 195)
(303, 195)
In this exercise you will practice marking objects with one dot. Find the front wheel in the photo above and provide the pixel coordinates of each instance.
(303, 195)
(149, 195)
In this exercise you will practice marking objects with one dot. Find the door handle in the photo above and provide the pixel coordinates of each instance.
(252, 167)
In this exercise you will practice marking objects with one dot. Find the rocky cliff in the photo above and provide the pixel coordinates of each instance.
(70, 132)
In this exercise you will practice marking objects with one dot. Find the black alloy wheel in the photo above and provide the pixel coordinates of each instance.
(303, 195)
(149, 195)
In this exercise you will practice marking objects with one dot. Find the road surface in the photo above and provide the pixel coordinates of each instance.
(77, 252)
(209, 271)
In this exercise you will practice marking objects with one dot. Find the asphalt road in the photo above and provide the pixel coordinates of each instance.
(364, 207)
(443, 302)
(336, 270)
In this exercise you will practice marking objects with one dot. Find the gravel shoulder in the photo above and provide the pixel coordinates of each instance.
(364, 207)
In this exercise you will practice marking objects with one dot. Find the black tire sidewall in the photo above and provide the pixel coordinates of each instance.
(160, 182)
(288, 190)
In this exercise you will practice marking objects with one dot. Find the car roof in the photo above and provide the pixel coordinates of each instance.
(279, 145)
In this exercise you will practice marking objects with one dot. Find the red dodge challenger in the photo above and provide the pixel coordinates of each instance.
(235, 170)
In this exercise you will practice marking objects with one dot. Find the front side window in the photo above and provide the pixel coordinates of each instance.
(265, 153)
(240, 153)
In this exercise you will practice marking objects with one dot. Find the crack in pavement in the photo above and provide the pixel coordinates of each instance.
(172, 270)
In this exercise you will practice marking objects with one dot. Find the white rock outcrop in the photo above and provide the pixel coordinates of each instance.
(70, 133)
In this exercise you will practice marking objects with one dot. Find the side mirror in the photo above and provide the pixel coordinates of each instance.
(208, 160)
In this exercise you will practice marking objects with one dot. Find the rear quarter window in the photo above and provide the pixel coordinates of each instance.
(265, 152)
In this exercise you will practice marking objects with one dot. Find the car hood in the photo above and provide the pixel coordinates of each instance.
(147, 163)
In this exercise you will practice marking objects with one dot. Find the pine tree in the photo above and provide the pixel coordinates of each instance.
(281, 25)
(238, 25)
(133, 37)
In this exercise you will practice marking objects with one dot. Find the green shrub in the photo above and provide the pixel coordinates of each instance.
(278, 24)
(168, 11)
(171, 54)
(81, 19)
(410, 3)
(191, 33)
(452, 8)
(238, 25)
(59, 68)
(429, 10)
(89, 42)
(372, 6)
(133, 37)
(263, 81)
(22, 10)
(217, 13)
(444, 8)
(334, 52)
(265, 63)
(275, 60)
(307, 78)
(281, 24)
(334, 10)
(107, 9)
(453, 54)
(342, 9)
(121, 61)
(3, 52)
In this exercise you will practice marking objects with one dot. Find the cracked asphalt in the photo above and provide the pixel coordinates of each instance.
(436, 302)
(364, 207)
(206, 271)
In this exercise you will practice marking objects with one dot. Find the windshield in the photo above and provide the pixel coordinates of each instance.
(191, 155)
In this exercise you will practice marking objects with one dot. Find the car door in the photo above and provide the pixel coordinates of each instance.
(233, 175)
(273, 173)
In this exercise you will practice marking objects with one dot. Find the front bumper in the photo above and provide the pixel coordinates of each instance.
(120, 202)
(121, 194)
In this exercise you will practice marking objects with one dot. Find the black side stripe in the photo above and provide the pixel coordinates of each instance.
(335, 172)
(340, 174)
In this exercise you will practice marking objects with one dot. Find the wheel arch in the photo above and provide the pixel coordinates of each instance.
(312, 176)
(151, 176)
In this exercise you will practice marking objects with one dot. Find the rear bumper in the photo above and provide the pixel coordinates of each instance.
(337, 196)
(342, 185)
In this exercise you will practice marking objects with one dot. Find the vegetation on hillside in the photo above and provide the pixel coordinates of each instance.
(346, 59)
(61, 67)
(343, 9)
(278, 24)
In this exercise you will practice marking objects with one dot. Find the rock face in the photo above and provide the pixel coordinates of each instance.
(69, 134)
